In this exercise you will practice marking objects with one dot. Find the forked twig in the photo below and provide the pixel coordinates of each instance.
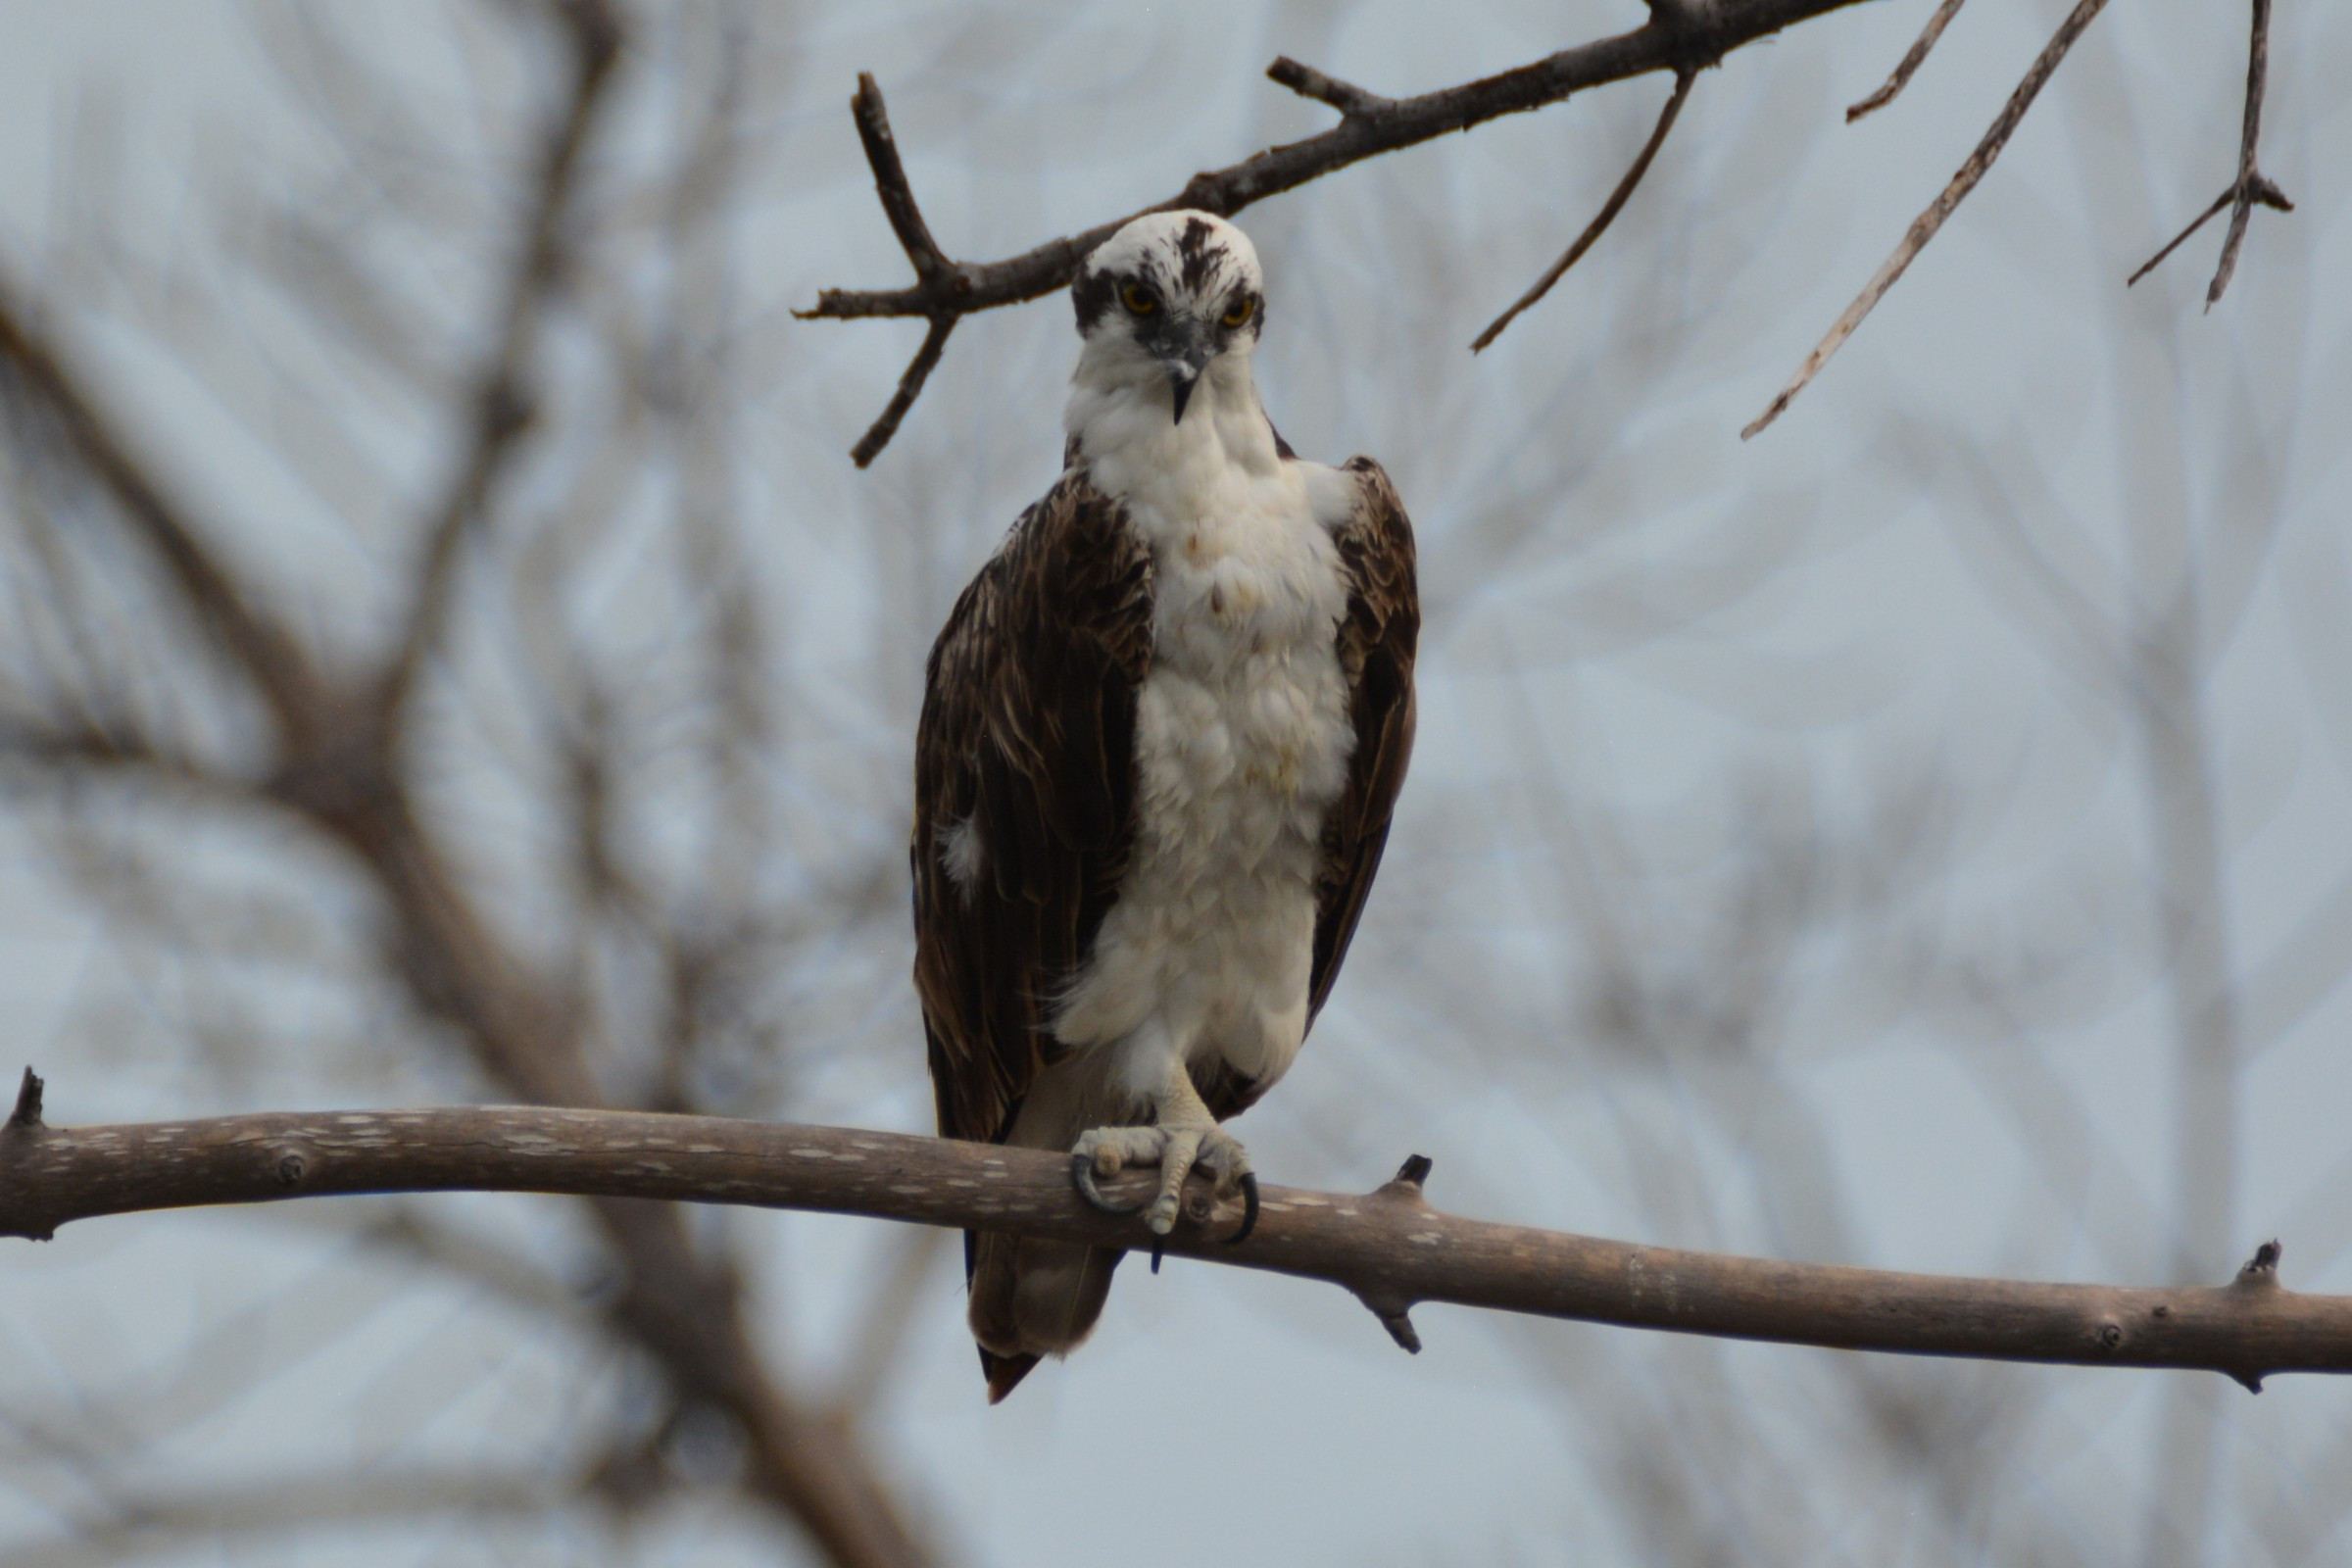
(1923, 227)
(1601, 221)
(2251, 186)
(935, 276)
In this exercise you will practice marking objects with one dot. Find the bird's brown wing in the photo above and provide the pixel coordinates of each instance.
(1376, 659)
(1027, 742)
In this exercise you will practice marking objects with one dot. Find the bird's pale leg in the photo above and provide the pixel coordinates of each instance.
(1182, 1135)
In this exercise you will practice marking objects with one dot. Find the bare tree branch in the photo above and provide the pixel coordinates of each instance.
(1913, 58)
(2250, 186)
(500, 405)
(1388, 1246)
(1923, 227)
(1682, 38)
(1601, 219)
(40, 374)
(136, 1522)
(89, 746)
(338, 765)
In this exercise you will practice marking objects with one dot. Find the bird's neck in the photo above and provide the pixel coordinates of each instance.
(1122, 425)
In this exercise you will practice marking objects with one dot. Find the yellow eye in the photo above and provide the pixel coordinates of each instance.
(1238, 314)
(1138, 299)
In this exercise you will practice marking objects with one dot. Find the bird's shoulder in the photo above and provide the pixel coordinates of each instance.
(1071, 570)
(1376, 645)
(1358, 504)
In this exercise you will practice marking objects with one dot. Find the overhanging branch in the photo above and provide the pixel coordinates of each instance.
(1678, 38)
(1390, 1247)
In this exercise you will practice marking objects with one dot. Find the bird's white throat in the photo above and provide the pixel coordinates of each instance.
(1242, 729)
(1121, 417)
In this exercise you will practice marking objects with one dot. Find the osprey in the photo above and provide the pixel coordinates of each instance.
(1162, 734)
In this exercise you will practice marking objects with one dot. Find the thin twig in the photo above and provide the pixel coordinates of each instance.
(2201, 220)
(1923, 227)
(1308, 82)
(910, 386)
(2251, 186)
(1601, 221)
(1390, 1248)
(1911, 60)
(1369, 125)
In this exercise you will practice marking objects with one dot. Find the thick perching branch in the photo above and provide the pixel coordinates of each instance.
(1390, 1248)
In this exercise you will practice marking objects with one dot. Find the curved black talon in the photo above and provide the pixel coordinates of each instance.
(1160, 1244)
(1249, 1209)
(1082, 1173)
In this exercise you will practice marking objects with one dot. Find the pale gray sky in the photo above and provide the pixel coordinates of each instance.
(2009, 417)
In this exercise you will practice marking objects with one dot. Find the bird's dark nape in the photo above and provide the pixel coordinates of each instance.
(1005, 1372)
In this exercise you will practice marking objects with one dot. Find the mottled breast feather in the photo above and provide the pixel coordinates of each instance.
(1027, 740)
(1376, 641)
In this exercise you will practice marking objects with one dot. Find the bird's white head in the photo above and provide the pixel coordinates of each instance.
(1169, 300)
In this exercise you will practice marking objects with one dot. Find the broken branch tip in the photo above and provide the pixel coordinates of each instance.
(29, 1103)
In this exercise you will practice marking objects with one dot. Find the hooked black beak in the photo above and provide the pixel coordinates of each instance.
(1185, 366)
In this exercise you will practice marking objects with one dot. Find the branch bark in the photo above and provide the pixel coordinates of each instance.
(1389, 1248)
(1678, 38)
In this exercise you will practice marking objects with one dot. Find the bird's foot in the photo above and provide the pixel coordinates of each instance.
(1176, 1148)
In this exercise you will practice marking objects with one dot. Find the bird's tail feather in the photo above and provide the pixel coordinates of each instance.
(1033, 1299)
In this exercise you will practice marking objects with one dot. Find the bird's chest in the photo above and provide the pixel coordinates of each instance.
(1242, 729)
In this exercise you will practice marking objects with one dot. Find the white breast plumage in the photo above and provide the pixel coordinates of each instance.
(1241, 746)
